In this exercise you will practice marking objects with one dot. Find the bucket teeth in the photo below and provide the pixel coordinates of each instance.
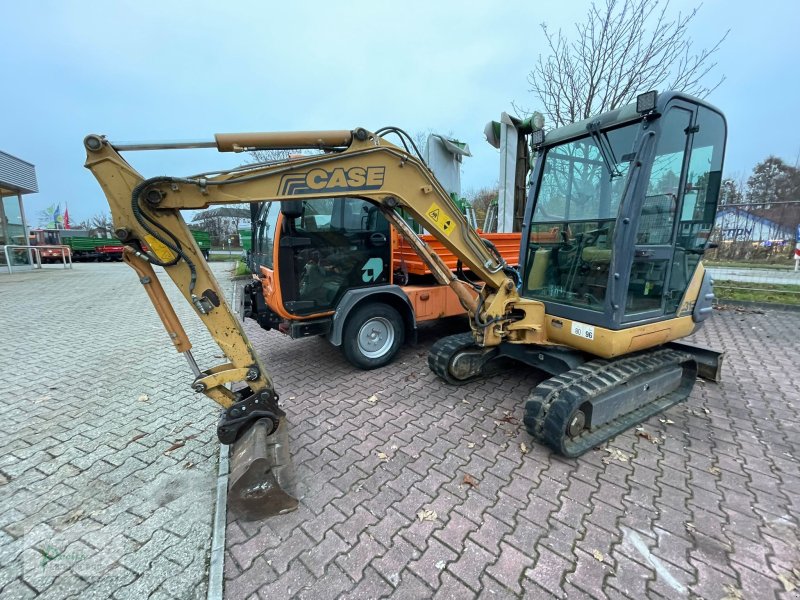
(262, 478)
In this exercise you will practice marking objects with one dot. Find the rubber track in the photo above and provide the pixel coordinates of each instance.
(554, 401)
(443, 351)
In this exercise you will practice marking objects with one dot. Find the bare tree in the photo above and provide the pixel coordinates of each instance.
(101, 225)
(222, 222)
(267, 156)
(481, 199)
(623, 48)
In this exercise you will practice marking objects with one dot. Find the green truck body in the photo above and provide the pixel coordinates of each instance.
(203, 239)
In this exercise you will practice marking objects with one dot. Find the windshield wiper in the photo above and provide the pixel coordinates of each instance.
(604, 146)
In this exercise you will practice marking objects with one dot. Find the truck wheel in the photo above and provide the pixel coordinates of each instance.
(372, 335)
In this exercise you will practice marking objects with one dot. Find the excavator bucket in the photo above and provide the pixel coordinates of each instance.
(262, 478)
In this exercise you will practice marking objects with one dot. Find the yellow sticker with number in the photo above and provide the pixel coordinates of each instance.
(440, 219)
(163, 253)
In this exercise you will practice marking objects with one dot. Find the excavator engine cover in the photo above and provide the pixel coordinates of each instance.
(262, 481)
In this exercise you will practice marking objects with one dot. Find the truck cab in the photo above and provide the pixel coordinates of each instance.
(336, 268)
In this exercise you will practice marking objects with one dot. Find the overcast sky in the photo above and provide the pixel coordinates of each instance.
(144, 70)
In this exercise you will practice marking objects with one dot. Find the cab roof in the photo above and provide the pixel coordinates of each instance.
(618, 116)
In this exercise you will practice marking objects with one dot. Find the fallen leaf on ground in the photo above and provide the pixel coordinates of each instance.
(188, 465)
(175, 446)
(509, 418)
(715, 470)
(641, 432)
(372, 399)
(470, 444)
(470, 480)
(138, 436)
(613, 454)
(598, 555)
(690, 526)
(523, 448)
(732, 592)
(383, 456)
(788, 584)
(427, 515)
(75, 516)
(143, 398)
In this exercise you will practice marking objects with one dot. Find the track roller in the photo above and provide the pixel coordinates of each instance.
(458, 359)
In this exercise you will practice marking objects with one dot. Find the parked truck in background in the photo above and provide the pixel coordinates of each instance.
(338, 269)
(83, 247)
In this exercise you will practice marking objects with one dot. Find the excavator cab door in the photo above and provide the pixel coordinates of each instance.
(328, 247)
(674, 216)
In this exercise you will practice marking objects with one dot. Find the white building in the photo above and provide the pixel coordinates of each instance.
(737, 225)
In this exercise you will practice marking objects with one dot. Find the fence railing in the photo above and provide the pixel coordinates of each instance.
(36, 252)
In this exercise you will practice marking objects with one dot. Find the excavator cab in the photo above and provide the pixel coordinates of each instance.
(633, 197)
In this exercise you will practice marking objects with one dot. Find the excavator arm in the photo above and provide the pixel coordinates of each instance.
(147, 218)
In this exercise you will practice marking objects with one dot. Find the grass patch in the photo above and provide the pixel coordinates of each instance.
(241, 268)
(732, 264)
(222, 257)
(771, 293)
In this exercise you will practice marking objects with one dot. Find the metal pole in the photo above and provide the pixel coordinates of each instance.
(25, 231)
(129, 146)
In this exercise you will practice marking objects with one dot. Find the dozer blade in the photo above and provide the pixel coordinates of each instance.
(709, 362)
(262, 479)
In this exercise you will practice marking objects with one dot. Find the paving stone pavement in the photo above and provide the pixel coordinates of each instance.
(711, 511)
(92, 508)
(94, 502)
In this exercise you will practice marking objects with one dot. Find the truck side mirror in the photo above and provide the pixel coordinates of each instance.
(292, 209)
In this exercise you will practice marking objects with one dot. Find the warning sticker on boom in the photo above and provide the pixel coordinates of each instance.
(439, 218)
(163, 253)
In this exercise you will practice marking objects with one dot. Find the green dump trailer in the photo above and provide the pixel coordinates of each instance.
(89, 248)
(203, 239)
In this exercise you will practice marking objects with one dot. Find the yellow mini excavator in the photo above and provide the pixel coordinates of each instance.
(618, 216)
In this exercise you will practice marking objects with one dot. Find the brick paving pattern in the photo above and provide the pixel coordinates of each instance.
(94, 505)
(710, 511)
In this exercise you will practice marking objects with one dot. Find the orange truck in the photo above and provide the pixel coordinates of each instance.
(339, 270)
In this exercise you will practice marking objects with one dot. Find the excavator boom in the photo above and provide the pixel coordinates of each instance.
(147, 218)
